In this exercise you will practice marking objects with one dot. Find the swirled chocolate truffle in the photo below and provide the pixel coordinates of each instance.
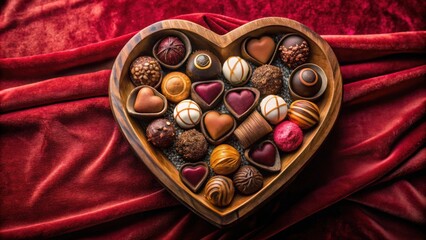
(203, 65)
(268, 79)
(219, 191)
(225, 159)
(170, 50)
(160, 133)
(294, 51)
(191, 145)
(248, 180)
(306, 82)
(145, 71)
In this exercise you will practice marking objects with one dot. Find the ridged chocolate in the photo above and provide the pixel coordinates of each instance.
(219, 191)
(248, 180)
(304, 113)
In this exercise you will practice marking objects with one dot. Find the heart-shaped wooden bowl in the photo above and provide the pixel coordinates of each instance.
(224, 47)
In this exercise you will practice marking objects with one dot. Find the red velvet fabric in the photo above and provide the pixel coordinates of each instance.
(67, 172)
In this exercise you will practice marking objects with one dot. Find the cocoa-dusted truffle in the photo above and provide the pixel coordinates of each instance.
(145, 71)
(192, 145)
(170, 50)
(160, 133)
(248, 180)
(294, 51)
(268, 79)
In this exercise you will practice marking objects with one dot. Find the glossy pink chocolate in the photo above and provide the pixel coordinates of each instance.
(208, 91)
(194, 175)
(264, 154)
(240, 102)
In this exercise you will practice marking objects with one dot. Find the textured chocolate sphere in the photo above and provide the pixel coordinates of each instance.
(306, 82)
(160, 133)
(203, 65)
(170, 50)
(219, 191)
(294, 51)
(145, 71)
(304, 113)
(225, 159)
(268, 79)
(248, 180)
(191, 145)
(176, 86)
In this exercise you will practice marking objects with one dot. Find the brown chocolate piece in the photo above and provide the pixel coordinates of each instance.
(147, 102)
(268, 79)
(145, 71)
(248, 180)
(170, 50)
(160, 133)
(306, 82)
(261, 49)
(203, 65)
(294, 50)
(191, 145)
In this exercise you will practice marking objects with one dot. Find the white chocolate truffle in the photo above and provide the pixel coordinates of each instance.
(236, 70)
(273, 108)
(187, 114)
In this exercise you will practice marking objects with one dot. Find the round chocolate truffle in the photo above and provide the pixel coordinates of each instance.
(145, 71)
(176, 86)
(268, 79)
(170, 50)
(191, 145)
(288, 136)
(294, 51)
(187, 114)
(306, 82)
(219, 191)
(161, 133)
(248, 180)
(236, 70)
(273, 108)
(304, 113)
(225, 159)
(203, 65)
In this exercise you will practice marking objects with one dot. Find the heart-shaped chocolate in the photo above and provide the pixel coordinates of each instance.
(265, 156)
(147, 102)
(241, 101)
(223, 46)
(261, 49)
(194, 175)
(217, 124)
(207, 93)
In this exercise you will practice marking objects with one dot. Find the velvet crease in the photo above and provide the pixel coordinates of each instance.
(67, 172)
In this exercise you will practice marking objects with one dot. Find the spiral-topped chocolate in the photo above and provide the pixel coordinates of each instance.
(306, 82)
(225, 159)
(248, 180)
(304, 113)
(219, 191)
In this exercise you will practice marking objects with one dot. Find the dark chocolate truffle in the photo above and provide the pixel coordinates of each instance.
(294, 51)
(191, 145)
(170, 50)
(145, 71)
(306, 82)
(248, 180)
(268, 79)
(203, 65)
(160, 133)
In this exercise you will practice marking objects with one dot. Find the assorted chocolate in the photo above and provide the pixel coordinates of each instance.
(257, 117)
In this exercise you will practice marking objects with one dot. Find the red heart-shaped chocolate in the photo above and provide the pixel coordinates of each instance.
(264, 154)
(208, 91)
(193, 175)
(241, 101)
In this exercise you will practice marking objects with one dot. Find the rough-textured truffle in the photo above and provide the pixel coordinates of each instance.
(192, 145)
(294, 51)
(160, 133)
(268, 79)
(145, 71)
(248, 180)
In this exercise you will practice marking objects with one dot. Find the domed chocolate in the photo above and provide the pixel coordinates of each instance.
(225, 159)
(236, 70)
(191, 145)
(160, 133)
(219, 191)
(248, 180)
(268, 79)
(203, 65)
(273, 108)
(304, 113)
(170, 50)
(306, 82)
(176, 86)
(187, 114)
(145, 71)
(294, 51)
